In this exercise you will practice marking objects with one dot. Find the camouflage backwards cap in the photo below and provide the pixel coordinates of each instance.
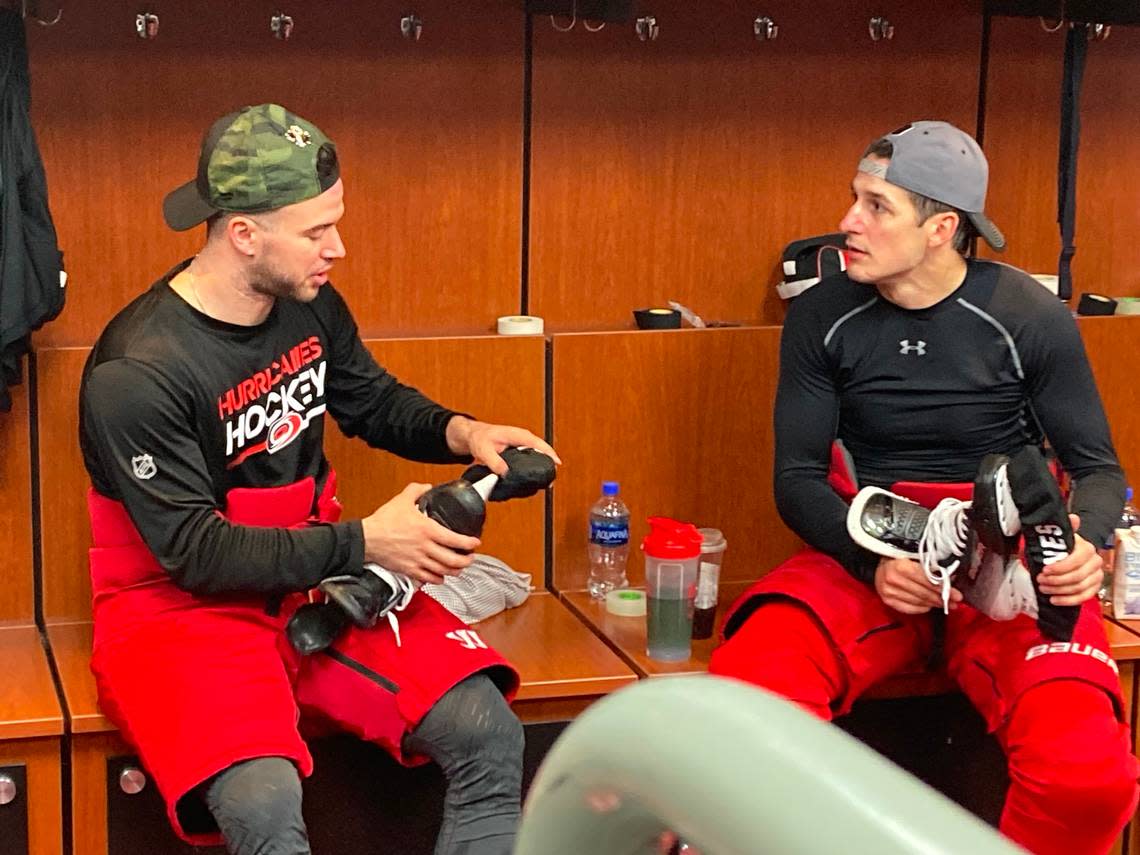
(257, 159)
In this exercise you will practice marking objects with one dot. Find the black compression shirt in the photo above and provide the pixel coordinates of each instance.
(923, 395)
(177, 409)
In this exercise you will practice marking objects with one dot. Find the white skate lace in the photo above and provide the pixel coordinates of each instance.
(945, 536)
(405, 586)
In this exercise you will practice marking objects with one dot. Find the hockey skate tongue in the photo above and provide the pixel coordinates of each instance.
(484, 486)
(1046, 531)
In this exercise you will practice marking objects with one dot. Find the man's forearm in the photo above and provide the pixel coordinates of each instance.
(458, 434)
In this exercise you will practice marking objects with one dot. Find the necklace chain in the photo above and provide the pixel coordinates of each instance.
(194, 291)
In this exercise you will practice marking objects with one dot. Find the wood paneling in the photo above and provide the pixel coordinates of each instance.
(1021, 141)
(63, 485)
(429, 133)
(44, 795)
(1111, 343)
(1023, 98)
(680, 169)
(683, 419)
(16, 603)
(28, 704)
(495, 379)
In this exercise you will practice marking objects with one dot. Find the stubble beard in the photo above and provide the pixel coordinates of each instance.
(272, 283)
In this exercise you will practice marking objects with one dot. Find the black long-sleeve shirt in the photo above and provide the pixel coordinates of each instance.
(177, 409)
(923, 395)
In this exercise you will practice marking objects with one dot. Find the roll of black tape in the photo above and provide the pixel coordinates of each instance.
(657, 319)
(1096, 304)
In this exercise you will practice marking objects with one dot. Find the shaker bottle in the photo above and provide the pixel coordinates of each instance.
(672, 556)
(708, 582)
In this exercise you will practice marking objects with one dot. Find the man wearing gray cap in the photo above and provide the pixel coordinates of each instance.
(908, 375)
(214, 515)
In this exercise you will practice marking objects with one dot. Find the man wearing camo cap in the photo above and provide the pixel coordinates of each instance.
(214, 511)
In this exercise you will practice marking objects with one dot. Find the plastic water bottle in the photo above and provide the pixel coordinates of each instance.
(609, 542)
(1128, 518)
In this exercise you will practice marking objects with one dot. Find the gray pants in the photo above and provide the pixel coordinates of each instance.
(470, 732)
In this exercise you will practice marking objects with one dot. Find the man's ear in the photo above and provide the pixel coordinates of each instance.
(244, 235)
(942, 228)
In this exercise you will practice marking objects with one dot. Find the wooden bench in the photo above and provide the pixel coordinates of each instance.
(564, 666)
(31, 721)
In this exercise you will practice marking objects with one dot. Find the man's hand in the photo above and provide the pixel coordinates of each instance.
(1072, 580)
(400, 537)
(669, 843)
(484, 441)
(903, 586)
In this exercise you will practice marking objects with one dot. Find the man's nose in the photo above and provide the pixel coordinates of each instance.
(335, 247)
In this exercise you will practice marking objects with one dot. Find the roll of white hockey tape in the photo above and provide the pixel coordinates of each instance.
(520, 325)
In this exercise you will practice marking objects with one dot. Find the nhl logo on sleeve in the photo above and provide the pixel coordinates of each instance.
(143, 466)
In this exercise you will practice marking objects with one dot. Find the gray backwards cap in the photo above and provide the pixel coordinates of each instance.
(936, 160)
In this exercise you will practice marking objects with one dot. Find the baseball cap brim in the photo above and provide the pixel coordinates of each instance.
(989, 232)
(183, 208)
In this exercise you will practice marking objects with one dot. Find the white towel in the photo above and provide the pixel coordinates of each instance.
(486, 587)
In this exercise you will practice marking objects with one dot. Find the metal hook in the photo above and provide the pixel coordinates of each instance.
(647, 28)
(765, 29)
(146, 25)
(281, 26)
(880, 29)
(596, 29)
(1053, 27)
(1098, 32)
(37, 18)
(412, 27)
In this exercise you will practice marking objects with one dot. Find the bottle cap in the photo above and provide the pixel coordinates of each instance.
(712, 540)
(610, 488)
(626, 602)
(669, 538)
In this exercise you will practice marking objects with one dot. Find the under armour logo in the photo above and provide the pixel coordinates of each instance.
(918, 348)
(468, 638)
(144, 467)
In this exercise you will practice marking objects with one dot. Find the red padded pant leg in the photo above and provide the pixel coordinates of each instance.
(782, 648)
(1072, 773)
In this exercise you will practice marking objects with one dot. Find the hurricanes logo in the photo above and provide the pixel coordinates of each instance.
(268, 410)
(298, 136)
(284, 431)
(143, 466)
(906, 348)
